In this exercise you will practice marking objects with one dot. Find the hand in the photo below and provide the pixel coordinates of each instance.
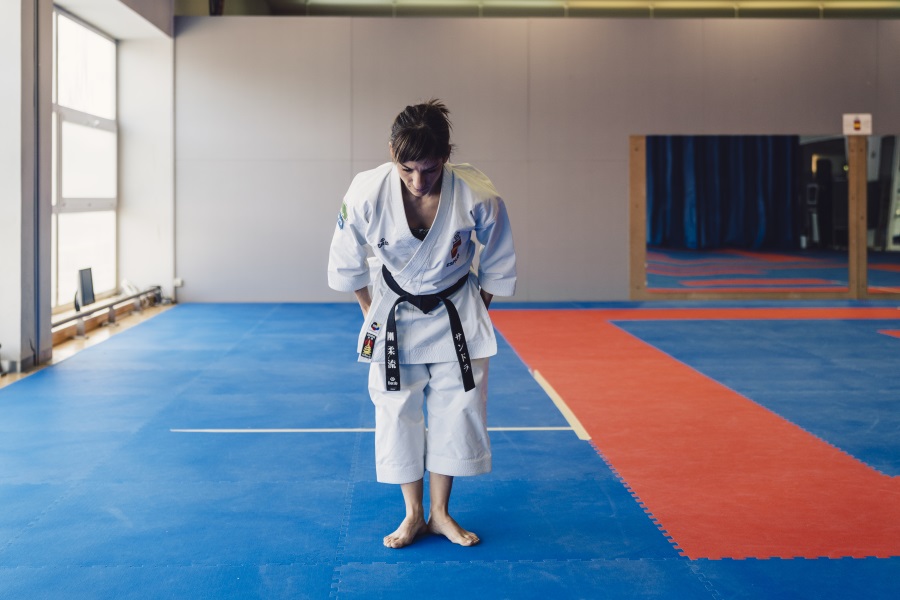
(486, 298)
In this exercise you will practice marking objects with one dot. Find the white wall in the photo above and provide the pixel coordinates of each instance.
(147, 163)
(263, 136)
(10, 180)
(274, 115)
(24, 183)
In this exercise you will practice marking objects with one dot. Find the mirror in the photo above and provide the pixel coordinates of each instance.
(738, 215)
(883, 215)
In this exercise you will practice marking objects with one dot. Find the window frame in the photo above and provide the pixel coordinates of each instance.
(60, 203)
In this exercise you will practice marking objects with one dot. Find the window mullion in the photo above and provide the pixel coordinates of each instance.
(88, 120)
(69, 205)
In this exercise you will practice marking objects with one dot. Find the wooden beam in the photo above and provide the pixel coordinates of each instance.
(637, 197)
(857, 238)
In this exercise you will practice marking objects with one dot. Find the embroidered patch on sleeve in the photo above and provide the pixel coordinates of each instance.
(342, 216)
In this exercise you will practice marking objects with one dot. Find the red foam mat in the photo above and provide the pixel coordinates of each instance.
(771, 256)
(723, 476)
(756, 281)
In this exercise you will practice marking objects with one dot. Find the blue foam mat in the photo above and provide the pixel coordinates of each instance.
(523, 580)
(156, 454)
(802, 579)
(142, 582)
(102, 500)
(185, 523)
(516, 520)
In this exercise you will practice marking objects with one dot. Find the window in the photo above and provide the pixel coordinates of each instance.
(85, 159)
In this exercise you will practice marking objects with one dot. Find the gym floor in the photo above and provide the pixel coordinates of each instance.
(665, 450)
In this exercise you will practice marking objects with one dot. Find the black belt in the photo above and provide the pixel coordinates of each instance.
(426, 303)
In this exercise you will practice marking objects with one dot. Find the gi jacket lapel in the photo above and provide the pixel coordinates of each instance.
(410, 277)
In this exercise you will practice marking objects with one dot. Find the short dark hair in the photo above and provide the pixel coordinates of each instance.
(422, 132)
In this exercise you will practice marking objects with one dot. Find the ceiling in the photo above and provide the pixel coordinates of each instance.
(804, 9)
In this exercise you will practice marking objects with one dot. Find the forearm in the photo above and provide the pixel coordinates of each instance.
(364, 299)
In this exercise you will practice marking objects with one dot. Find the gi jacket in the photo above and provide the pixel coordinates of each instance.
(372, 231)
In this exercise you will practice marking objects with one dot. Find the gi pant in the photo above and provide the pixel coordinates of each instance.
(456, 441)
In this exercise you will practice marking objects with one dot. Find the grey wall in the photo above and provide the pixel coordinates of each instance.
(158, 12)
(275, 115)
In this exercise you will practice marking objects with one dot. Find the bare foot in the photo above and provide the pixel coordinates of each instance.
(451, 530)
(409, 530)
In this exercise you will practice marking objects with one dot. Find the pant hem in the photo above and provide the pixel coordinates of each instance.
(398, 475)
(458, 468)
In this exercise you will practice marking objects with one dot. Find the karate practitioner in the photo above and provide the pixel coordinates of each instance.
(404, 245)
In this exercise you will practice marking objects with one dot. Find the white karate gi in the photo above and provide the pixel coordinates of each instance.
(373, 222)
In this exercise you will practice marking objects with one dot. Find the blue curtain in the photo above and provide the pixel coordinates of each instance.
(706, 192)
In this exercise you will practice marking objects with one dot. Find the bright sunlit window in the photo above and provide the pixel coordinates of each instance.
(85, 163)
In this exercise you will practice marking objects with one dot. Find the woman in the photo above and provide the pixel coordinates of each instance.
(426, 330)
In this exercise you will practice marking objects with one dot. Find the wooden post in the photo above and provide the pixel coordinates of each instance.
(637, 195)
(857, 237)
